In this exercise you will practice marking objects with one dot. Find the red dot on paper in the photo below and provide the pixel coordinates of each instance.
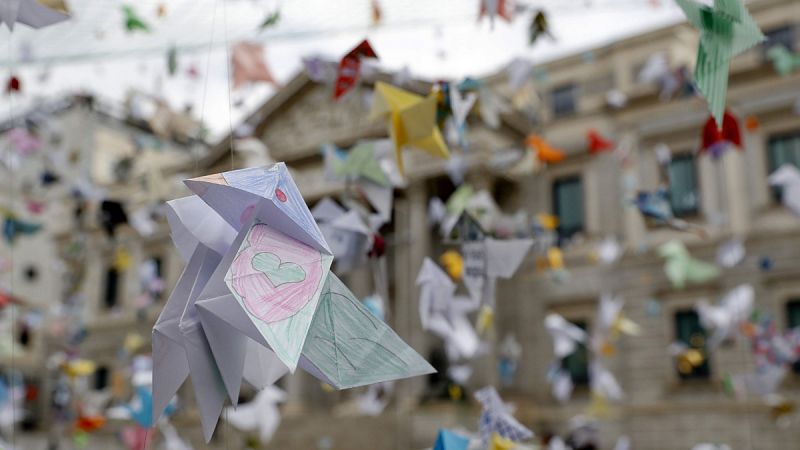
(281, 196)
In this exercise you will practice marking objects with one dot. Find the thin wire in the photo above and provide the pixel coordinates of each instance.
(205, 77)
(228, 79)
(12, 267)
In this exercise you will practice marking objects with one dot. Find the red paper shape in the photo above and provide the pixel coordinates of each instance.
(13, 85)
(350, 68)
(249, 65)
(505, 9)
(730, 132)
(597, 143)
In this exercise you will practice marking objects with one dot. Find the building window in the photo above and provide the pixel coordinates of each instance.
(779, 36)
(565, 100)
(112, 288)
(683, 193)
(577, 362)
(568, 206)
(689, 332)
(101, 378)
(793, 321)
(783, 149)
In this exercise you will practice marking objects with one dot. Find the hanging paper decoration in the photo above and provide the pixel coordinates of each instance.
(716, 140)
(33, 13)
(726, 30)
(496, 418)
(13, 227)
(172, 60)
(787, 177)
(13, 85)
(597, 143)
(494, 8)
(376, 12)
(411, 120)
(270, 20)
(23, 141)
(261, 414)
(132, 21)
(257, 299)
(681, 268)
(539, 27)
(350, 68)
(448, 440)
(784, 61)
(249, 65)
(543, 150)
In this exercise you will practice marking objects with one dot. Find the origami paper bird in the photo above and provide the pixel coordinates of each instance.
(494, 8)
(491, 106)
(657, 70)
(261, 414)
(376, 12)
(23, 141)
(132, 21)
(350, 68)
(496, 417)
(411, 120)
(13, 85)
(361, 162)
(539, 26)
(724, 319)
(566, 336)
(461, 104)
(448, 440)
(681, 268)
(603, 383)
(611, 324)
(597, 143)
(249, 65)
(608, 251)
(445, 314)
(349, 239)
(172, 60)
(33, 13)
(257, 298)
(489, 259)
(784, 61)
(726, 30)
(718, 139)
(655, 206)
(543, 150)
(787, 177)
(453, 263)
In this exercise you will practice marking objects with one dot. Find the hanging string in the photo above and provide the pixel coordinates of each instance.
(205, 77)
(228, 80)
(12, 265)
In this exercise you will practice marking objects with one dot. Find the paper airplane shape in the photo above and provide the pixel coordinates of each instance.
(411, 120)
(681, 268)
(257, 293)
(33, 13)
(448, 440)
(487, 260)
(496, 417)
(784, 61)
(726, 30)
(249, 65)
(787, 177)
(132, 21)
(445, 314)
(717, 139)
(350, 68)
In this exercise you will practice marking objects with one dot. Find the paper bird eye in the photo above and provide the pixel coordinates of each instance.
(280, 195)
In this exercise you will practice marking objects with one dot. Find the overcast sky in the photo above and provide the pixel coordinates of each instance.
(434, 38)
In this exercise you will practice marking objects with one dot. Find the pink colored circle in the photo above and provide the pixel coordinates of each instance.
(281, 196)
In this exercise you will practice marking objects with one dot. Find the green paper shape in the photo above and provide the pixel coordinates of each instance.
(132, 20)
(351, 347)
(681, 268)
(276, 271)
(784, 61)
(362, 163)
(271, 20)
(459, 199)
(726, 30)
(172, 60)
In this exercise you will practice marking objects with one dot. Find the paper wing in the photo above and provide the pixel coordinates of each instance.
(351, 347)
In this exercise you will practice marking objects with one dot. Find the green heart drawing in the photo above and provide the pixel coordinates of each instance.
(277, 272)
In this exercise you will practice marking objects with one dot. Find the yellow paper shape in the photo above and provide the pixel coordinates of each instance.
(79, 368)
(122, 260)
(555, 258)
(547, 221)
(453, 263)
(501, 443)
(411, 120)
(485, 320)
